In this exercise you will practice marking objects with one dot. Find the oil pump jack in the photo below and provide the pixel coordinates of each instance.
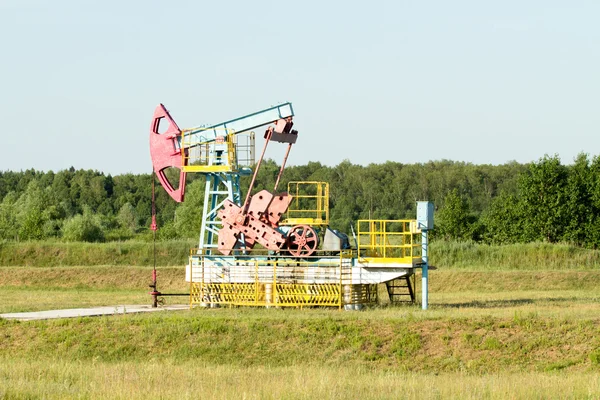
(287, 269)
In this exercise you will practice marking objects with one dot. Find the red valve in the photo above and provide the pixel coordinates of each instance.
(166, 152)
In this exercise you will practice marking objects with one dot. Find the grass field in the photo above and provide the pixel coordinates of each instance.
(137, 380)
(497, 334)
(448, 255)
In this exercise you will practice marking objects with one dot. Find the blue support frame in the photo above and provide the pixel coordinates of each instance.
(218, 188)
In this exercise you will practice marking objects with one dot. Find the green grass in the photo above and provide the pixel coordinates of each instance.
(529, 256)
(447, 255)
(502, 333)
(93, 278)
(54, 253)
(477, 323)
(385, 340)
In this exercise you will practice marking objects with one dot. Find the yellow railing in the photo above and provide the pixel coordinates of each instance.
(310, 205)
(388, 241)
(282, 282)
(225, 153)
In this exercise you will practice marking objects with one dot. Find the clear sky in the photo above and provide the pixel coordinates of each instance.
(370, 81)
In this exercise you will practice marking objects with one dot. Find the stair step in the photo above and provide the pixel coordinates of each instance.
(397, 289)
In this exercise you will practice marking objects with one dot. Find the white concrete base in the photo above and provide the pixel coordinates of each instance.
(90, 312)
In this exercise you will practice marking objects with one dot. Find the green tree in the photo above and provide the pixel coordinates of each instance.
(84, 227)
(503, 220)
(593, 225)
(32, 218)
(579, 207)
(9, 228)
(543, 193)
(346, 192)
(188, 216)
(127, 218)
(454, 219)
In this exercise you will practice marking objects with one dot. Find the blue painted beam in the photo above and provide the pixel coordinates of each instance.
(241, 124)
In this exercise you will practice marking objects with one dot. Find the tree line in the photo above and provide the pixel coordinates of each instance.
(540, 201)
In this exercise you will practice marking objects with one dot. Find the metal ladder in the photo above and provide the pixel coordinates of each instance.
(401, 290)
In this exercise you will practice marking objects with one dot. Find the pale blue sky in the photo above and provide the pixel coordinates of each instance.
(407, 81)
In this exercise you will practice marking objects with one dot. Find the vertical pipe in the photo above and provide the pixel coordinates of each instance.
(319, 199)
(154, 291)
(340, 287)
(256, 283)
(154, 227)
(274, 295)
(192, 284)
(425, 270)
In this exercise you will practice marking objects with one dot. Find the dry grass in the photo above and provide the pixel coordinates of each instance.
(35, 289)
(159, 379)
(96, 278)
(452, 293)
(444, 280)
(487, 335)
(548, 304)
(26, 299)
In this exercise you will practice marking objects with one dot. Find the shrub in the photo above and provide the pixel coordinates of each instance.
(83, 228)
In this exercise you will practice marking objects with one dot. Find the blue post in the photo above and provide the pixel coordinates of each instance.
(425, 269)
(425, 221)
